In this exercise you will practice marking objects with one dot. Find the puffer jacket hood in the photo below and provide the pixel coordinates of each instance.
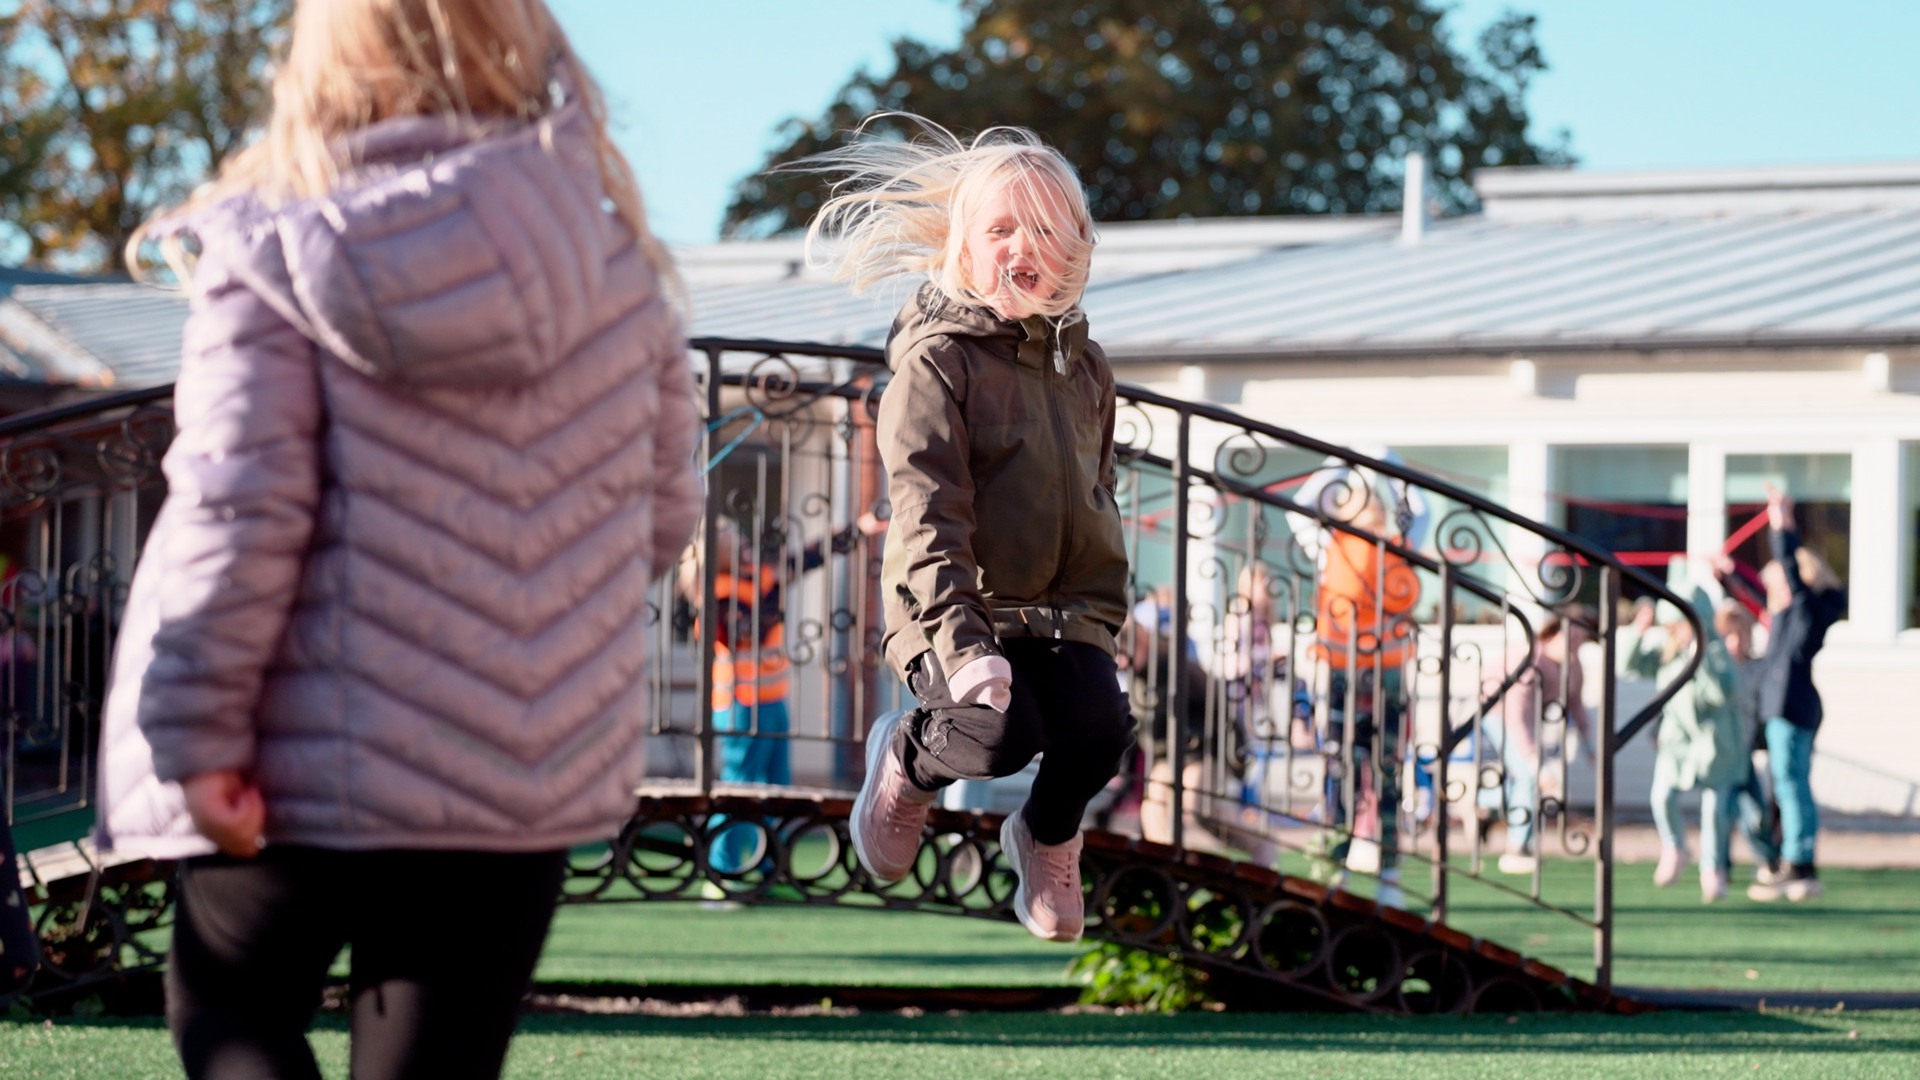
(454, 261)
(998, 442)
(435, 439)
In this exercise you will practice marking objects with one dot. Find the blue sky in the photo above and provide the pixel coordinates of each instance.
(698, 86)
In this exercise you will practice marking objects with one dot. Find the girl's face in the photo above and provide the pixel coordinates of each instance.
(1011, 251)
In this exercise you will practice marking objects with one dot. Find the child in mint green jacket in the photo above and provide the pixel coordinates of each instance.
(1700, 745)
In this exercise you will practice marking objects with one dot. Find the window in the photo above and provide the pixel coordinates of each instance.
(1481, 470)
(1630, 500)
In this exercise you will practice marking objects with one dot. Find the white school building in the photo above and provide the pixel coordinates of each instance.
(1632, 357)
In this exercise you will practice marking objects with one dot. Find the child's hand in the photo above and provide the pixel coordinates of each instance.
(1643, 616)
(227, 808)
(1779, 509)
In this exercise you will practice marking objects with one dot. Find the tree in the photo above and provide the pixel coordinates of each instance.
(110, 109)
(1200, 108)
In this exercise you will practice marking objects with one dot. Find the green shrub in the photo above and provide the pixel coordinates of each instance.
(1138, 978)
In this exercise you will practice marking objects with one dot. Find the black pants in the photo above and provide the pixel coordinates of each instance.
(1067, 703)
(19, 947)
(444, 945)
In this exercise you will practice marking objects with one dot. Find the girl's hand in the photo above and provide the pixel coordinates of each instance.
(1779, 509)
(228, 809)
(1643, 616)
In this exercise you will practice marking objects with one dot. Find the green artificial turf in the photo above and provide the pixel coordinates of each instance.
(1837, 1046)
(655, 943)
(1865, 935)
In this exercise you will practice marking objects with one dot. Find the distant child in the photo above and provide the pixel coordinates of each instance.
(1701, 746)
(1006, 569)
(1365, 638)
(384, 659)
(1805, 598)
(1735, 625)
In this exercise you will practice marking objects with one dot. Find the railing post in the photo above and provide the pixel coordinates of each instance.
(1603, 783)
(1440, 755)
(706, 760)
(1176, 660)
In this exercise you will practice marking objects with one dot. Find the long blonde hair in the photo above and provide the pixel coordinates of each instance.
(901, 207)
(353, 63)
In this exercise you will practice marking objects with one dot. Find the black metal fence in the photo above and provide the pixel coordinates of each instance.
(1337, 663)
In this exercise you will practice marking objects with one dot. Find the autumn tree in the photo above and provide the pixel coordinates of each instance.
(112, 108)
(1200, 108)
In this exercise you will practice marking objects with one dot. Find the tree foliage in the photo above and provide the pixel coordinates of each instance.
(110, 109)
(1200, 108)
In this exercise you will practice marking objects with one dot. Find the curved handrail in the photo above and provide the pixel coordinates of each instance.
(785, 396)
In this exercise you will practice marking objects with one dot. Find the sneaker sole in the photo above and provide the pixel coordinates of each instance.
(1020, 904)
(878, 741)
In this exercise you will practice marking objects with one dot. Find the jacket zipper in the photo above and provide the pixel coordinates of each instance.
(1060, 436)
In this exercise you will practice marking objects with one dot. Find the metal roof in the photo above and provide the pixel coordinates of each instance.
(1560, 260)
(1727, 259)
(131, 332)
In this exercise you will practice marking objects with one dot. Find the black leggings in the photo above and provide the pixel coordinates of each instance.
(1067, 702)
(444, 944)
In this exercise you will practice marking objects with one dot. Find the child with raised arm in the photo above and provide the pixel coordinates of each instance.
(384, 659)
(1006, 569)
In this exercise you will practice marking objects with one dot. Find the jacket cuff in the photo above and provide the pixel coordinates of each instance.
(956, 660)
(979, 674)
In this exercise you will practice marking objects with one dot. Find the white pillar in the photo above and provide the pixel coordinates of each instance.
(1529, 488)
(1876, 567)
(1706, 501)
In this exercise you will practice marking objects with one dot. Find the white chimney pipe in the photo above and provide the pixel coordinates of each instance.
(1413, 208)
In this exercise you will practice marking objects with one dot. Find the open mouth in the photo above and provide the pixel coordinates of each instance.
(1023, 280)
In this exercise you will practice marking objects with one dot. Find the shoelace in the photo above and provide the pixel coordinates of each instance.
(1059, 869)
(904, 816)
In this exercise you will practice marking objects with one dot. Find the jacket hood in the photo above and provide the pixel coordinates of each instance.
(932, 313)
(454, 253)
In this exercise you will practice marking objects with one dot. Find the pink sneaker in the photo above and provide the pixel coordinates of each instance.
(1048, 901)
(889, 814)
(1713, 887)
(1672, 861)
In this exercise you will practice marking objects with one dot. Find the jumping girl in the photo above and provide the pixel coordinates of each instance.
(384, 657)
(1006, 569)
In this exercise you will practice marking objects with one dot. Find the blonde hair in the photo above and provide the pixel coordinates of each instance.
(902, 207)
(353, 63)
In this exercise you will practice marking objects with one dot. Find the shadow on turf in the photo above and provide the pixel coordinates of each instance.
(1773, 1033)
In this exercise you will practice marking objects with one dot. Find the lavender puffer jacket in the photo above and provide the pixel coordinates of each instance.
(435, 442)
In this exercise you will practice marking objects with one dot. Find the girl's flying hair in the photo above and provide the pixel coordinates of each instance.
(353, 63)
(902, 207)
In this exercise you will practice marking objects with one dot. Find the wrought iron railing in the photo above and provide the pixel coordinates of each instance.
(1253, 675)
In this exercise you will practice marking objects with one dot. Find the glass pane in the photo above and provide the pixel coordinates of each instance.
(1631, 500)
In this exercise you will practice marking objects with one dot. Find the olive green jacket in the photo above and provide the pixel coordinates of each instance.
(998, 442)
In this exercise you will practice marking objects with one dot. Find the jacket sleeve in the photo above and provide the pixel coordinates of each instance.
(924, 446)
(677, 496)
(1785, 542)
(1639, 654)
(231, 538)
